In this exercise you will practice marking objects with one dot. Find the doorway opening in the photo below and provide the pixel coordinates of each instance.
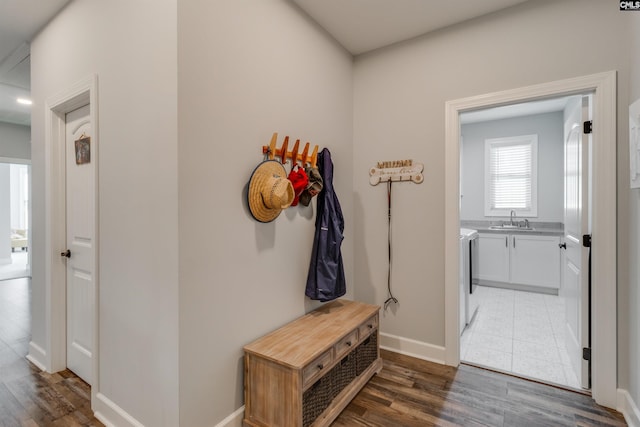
(15, 219)
(603, 223)
(518, 192)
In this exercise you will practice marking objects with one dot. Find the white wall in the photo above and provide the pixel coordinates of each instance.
(15, 141)
(132, 47)
(5, 214)
(400, 95)
(548, 127)
(18, 176)
(630, 301)
(247, 69)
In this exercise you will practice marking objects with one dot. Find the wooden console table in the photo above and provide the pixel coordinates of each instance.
(305, 373)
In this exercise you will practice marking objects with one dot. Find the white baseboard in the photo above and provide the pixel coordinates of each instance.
(111, 415)
(413, 348)
(233, 420)
(629, 408)
(37, 356)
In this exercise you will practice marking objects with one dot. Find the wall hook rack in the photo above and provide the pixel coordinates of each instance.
(272, 151)
(396, 170)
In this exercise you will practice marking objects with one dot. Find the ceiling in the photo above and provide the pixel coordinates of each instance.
(20, 21)
(358, 25)
(364, 25)
(515, 110)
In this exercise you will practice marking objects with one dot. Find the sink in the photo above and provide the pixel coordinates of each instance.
(503, 227)
(511, 227)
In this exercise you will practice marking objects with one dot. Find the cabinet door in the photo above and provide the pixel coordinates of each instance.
(493, 257)
(535, 260)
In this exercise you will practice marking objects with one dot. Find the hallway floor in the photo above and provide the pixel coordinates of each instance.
(407, 392)
(17, 268)
(29, 397)
(521, 333)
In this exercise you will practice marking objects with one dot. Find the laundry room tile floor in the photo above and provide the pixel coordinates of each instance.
(521, 333)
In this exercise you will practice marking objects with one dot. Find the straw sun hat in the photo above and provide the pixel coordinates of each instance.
(269, 191)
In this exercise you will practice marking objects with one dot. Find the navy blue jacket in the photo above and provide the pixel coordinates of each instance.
(325, 280)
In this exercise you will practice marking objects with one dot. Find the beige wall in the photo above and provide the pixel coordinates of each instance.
(247, 69)
(187, 276)
(400, 95)
(131, 46)
(631, 335)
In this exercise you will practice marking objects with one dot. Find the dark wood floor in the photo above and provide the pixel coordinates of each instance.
(29, 397)
(412, 392)
(407, 392)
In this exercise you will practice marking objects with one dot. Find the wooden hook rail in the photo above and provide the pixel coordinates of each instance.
(272, 151)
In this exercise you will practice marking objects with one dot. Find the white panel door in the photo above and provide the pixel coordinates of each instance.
(80, 209)
(575, 261)
(493, 257)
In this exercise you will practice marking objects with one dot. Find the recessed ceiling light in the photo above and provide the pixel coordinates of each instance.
(24, 101)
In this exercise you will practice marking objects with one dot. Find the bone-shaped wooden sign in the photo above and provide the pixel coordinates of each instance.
(405, 171)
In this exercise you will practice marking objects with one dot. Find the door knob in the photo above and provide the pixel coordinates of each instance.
(67, 253)
(562, 245)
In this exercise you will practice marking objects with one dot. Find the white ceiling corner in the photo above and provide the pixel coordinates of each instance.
(364, 25)
(359, 25)
(20, 21)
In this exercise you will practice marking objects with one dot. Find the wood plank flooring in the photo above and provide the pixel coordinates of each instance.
(28, 396)
(411, 392)
(407, 392)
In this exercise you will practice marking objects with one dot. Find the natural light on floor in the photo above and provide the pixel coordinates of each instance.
(522, 333)
(17, 268)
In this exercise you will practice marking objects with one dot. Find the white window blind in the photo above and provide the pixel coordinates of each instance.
(510, 175)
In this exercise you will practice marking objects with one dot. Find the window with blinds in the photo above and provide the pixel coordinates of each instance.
(511, 176)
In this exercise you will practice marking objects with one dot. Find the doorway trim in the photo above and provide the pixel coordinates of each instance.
(604, 275)
(77, 95)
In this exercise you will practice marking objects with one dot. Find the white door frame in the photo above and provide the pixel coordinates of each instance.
(82, 93)
(604, 310)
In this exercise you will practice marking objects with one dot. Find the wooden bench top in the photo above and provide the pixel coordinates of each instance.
(299, 342)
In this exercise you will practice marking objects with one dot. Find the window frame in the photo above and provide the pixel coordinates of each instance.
(531, 140)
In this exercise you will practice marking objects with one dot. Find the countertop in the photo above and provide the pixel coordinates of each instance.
(539, 228)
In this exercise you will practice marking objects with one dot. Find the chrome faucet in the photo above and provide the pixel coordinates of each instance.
(513, 213)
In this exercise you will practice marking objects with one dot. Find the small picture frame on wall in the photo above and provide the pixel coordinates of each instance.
(83, 150)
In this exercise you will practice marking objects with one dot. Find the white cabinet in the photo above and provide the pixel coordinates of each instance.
(519, 259)
(535, 260)
(493, 257)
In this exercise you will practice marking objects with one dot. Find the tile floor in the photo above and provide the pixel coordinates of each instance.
(520, 333)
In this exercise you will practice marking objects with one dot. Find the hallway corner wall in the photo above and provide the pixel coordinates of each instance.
(400, 96)
(248, 69)
(134, 58)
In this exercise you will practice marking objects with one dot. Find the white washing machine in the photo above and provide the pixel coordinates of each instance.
(468, 275)
(463, 296)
